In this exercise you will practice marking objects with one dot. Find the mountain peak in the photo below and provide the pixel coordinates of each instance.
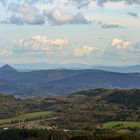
(7, 68)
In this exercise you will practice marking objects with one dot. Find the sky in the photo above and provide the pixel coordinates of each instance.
(93, 32)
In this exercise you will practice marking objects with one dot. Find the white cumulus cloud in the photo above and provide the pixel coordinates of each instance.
(84, 51)
(119, 43)
(40, 43)
(5, 52)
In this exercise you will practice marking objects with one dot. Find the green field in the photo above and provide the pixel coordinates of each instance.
(125, 124)
(24, 117)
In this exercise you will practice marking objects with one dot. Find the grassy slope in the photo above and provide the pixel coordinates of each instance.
(122, 123)
(28, 116)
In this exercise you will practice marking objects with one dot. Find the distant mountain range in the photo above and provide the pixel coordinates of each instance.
(62, 82)
(127, 69)
(44, 66)
(74, 66)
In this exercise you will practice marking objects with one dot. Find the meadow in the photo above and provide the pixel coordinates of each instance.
(124, 124)
(28, 116)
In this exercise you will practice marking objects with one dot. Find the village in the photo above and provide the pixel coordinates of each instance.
(39, 124)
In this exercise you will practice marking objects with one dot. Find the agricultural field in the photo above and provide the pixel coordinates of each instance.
(24, 117)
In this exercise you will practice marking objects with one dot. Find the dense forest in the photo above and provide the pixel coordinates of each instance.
(34, 134)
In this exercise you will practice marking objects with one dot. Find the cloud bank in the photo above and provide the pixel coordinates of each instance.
(31, 15)
(24, 14)
(58, 17)
(39, 43)
(85, 3)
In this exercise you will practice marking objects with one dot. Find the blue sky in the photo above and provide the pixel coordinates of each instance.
(70, 31)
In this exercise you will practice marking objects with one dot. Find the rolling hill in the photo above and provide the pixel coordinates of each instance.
(62, 82)
(94, 79)
(83, 110)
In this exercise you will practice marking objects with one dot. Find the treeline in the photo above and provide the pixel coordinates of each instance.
(35, 134)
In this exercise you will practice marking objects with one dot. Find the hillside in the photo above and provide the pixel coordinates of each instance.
(61, 82)
(128, 97)
(94, 79)
(84, 110)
